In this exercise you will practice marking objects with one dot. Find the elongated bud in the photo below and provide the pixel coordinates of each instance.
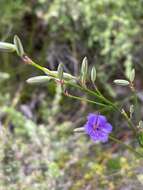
(38, 79)
(84, 66)
(132, 75)
(79, 130)
(93, 74)
(121, 82)
(19, 46)
(60, 71)
(84, 69)
(7, 47)
(131, 111)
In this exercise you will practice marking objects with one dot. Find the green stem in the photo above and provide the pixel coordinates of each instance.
(125, 145)
(54, 74)
(95, 94)
(136, 111)
(42, 69)
(84, 99)
(130, 123)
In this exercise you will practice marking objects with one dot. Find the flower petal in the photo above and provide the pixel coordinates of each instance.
(99, 137)
(107, 128)
(88, 129)
(94, 138)
(102, 120)
(92, 118)
(104, 138)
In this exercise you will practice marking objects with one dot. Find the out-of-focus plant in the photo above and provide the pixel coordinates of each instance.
(107, 30)
(109, 26)
(8, 8)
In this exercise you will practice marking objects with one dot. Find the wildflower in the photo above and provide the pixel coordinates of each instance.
(98, 128)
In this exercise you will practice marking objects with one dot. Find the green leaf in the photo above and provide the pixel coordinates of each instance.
(84, 69)
(60, 71)
(84, 66)
(131, 111)
(132, 75)
(7, 47)
(19, 46)
(93, 74)
(140, 138)
(121, 82)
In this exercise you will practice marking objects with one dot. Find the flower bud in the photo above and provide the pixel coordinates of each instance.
(7, 47)
(38, 79)
(93, 74)
(60, 71)
(131, 111)
(121, 82)
(132, 75)
(84, 69)
(80, 129)
(84, 66)
(19, 46)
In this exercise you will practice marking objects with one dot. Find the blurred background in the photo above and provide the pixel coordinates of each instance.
(39, 150)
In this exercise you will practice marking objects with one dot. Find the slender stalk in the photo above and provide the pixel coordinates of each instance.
(105, 99)
(96, 88)
(86, 100)
(136, 111)
(95, 94)
(130, 123)
(125, 145)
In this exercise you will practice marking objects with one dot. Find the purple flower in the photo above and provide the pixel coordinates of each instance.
(97, 127)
